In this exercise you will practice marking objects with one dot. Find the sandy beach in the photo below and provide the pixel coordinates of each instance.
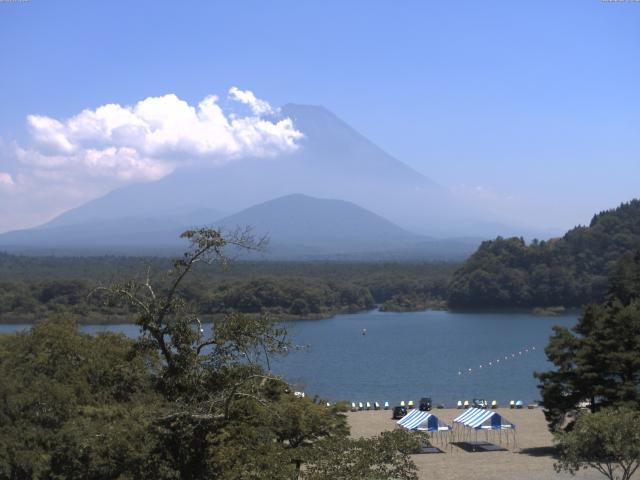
(531, 460)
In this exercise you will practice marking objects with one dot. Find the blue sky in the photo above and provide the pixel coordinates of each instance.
(532, 107)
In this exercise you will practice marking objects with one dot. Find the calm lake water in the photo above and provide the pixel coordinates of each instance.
(409, 355)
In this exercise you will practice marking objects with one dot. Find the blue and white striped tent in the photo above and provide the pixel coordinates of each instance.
(419, 420)
(479, 419)
(484, 419)
(426, 422)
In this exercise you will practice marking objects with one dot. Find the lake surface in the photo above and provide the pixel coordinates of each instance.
(409, 355)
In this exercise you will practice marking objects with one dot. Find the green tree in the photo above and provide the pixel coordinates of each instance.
(177, 403)
(569, 271)
(385, 457)
(74, 405)
(599, 359)
(607, 441)
(230, 417)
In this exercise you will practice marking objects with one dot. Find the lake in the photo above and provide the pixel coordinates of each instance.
(409, 355)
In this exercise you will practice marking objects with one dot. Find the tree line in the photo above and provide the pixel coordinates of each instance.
(32, 288)
(504, 273)
(569, 271)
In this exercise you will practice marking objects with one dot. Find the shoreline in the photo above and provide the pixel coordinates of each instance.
(289, 318)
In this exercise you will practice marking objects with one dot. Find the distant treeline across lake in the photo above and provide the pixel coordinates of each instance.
(32, 288)
(502, 274)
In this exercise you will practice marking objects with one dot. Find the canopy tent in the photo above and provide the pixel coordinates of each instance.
(489, 421)
(426, 422)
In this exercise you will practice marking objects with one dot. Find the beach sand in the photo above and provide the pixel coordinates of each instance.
(531, 460)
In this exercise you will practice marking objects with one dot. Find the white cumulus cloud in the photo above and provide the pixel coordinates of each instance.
(119, 163)
(258, 107)
(150, 138)
(68, 161)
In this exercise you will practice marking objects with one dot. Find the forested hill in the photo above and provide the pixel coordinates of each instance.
(568, 271)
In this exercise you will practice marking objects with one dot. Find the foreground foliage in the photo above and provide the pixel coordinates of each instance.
(176, 403)
(75, 406)
(607, 441)
(377, 458)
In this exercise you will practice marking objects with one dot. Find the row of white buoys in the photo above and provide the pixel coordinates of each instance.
(466, 404)
(494, 404)
(497, 361)
(355, 407)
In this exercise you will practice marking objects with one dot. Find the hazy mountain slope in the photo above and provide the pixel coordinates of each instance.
(126, 234)
(299, 227)
(320, 225)
(333, 161)
(332, 146)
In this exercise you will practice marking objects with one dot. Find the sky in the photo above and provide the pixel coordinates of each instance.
(532, 108)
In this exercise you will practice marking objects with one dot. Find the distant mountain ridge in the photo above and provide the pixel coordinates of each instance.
(333, 161)
(321, 225)
(298, 226)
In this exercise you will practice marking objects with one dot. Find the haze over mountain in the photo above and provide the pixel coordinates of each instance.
(298, 227)
(143, 235)
(332, 161)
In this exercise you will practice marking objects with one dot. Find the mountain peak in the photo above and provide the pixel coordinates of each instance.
(326, 224)
(333, 161)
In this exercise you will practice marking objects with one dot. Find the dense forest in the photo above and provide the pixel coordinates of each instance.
(568, 271)
(32, 288)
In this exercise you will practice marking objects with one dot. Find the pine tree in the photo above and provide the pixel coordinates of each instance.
(599, 359)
